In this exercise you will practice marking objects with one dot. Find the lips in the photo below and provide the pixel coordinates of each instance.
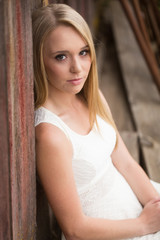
(75, 81)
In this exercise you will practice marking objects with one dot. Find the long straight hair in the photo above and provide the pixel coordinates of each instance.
(45, 20)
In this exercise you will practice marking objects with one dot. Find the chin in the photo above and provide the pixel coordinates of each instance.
(78, 90)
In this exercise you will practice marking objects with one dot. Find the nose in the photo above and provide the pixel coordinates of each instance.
(75, 65)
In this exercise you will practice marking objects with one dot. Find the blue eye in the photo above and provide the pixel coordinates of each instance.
(84, 52)
(60, 57)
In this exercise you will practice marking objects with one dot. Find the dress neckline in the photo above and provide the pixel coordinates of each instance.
(78, 134)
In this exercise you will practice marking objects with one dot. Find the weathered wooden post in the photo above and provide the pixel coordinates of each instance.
(17, 158)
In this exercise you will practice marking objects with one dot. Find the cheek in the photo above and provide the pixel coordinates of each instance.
(53, 70)
(88, 62)
(88, 66)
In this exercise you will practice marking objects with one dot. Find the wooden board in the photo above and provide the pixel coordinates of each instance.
(142, 93)
(111, 85)
(5, 205)
(18, 218)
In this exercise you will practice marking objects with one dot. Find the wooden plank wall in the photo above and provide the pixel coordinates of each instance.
(17, 174)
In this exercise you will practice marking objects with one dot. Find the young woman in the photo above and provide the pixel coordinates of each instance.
(95, 188)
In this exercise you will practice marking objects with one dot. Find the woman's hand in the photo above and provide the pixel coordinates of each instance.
(150, 216)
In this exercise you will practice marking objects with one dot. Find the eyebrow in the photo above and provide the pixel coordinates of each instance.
(66, 51)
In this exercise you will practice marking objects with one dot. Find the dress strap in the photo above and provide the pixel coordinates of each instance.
(43, 115)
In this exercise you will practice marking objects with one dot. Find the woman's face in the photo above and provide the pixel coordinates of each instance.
(67, 60)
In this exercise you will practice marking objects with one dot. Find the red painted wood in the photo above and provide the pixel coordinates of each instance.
(17, 138)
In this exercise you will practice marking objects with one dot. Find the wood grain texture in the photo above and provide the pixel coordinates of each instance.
(142, 93)
(18, 119)
(5, 206)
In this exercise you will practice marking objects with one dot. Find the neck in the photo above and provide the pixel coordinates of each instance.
(61, 102)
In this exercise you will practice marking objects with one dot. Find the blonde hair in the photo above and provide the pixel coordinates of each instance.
(45, 20)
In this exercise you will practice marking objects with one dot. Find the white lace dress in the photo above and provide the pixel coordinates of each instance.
(103, 191)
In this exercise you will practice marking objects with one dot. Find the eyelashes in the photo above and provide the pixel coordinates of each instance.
(62, 57)
(84, 52)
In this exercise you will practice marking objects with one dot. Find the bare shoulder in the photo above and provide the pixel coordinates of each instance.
(50, 134)
(52, 147)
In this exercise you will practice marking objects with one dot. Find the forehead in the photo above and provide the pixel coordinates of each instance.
(64, 38)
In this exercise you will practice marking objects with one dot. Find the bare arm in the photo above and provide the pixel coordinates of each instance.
(139, 182)
(54, 165)
(133, 173)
